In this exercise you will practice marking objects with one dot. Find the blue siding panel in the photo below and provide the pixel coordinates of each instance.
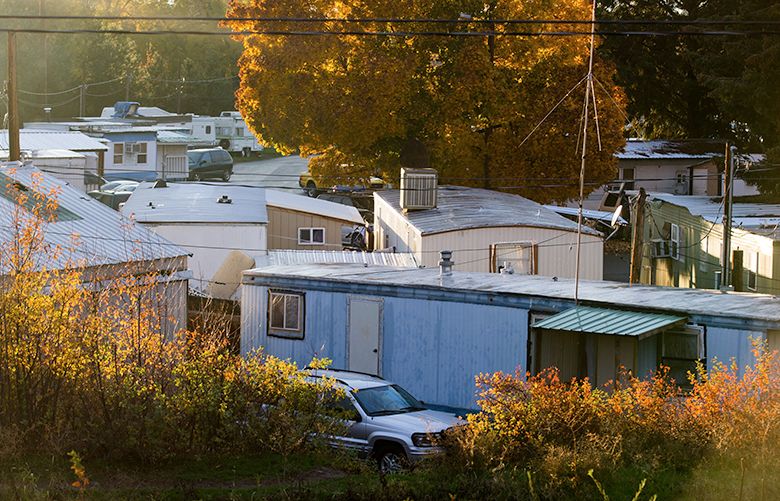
(726, 345)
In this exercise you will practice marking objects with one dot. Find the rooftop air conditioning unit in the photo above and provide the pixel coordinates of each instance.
(418, 188)
(660, 248)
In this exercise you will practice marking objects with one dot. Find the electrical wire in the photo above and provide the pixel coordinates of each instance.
(393, 34)
(385, 20)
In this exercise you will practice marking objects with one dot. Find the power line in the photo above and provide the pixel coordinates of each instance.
(386, 20)
(394, 34)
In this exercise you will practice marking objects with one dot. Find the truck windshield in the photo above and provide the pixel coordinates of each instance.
(386, 400)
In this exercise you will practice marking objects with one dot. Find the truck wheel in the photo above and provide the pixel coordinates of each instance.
(390, 460)
(226, 175)
(311, 189)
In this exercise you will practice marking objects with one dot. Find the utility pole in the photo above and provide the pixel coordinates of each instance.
(737, 278)
(637, 237)
(728, 200)
(14, 154)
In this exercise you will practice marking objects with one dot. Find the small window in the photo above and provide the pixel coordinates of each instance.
(239, 132)
(521, 257)
(208, 129)
(627, 176)
(285, 314)
(681, 350)
(141, 149)
(674, 242)
(119, 152)
(311, 236)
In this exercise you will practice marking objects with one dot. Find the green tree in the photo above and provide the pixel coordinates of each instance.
(360, 102)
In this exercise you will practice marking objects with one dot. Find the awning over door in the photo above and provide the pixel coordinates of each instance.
(591, 320)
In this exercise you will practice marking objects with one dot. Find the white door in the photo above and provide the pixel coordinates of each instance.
(365, 317)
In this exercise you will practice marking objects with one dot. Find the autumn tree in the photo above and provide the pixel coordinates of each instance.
(361, 102)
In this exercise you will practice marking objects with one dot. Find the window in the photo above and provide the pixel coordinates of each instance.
(141, 153)
(239, 132)
(627, 176)
(681, 350)
(674, 242)
(223, 131)
(521, 257)
(119, 153)
(311, 236)
(208, 129)
(285, 314)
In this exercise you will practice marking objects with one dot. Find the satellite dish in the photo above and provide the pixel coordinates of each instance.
(616, 215)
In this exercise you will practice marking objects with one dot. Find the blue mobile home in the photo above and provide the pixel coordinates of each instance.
(433, 334)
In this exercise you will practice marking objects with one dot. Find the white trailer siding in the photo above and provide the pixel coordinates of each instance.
(557, 250)
(210, 244)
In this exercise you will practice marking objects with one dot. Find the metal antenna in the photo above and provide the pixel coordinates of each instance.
(588, 89)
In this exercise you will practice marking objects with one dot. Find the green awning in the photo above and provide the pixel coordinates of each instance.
(611, 322)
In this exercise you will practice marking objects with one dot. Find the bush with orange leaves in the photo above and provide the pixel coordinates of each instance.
(86, 364)
(562, 429)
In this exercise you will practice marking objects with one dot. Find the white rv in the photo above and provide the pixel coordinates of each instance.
(228, 130)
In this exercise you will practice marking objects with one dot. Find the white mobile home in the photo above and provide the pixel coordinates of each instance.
(210, 220)
(487, 230)
(96, 240)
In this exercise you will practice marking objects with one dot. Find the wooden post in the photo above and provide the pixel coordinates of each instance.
(637, 237)
(14, 153)
(738, 277)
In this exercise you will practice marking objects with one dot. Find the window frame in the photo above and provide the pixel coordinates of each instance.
(531, 261)
(674, 241)
(143, 151)
(121, 154)
(311, 240)
(286, 332)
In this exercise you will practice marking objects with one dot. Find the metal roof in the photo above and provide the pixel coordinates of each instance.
(292, 257)
(702, 149)
(461, 208)
(420, 281)
(302, 203)
(605, 321)
(37, 139)
(197, 203)
(596, 215)
(753, 217)
(92, 234)
(172, 137)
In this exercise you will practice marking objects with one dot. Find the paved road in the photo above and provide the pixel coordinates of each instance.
(271, 173)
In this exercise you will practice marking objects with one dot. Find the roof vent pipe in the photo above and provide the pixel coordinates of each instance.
(446, 263)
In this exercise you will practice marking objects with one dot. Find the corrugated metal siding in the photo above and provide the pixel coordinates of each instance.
(727, 344)
(283, 227)
(292, 257)
(557, 250)
(435, 349)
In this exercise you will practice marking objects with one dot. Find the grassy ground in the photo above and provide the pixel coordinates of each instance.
(324, 476)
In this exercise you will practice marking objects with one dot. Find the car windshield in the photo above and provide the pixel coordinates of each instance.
(112, 185)
(386, 400)
(192, 157)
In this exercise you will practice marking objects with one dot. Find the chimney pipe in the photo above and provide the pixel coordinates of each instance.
(446, 263)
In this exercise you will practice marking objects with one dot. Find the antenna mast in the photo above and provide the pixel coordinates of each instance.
(588, 89)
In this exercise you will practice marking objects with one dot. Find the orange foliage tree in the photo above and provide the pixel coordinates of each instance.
(360, 102)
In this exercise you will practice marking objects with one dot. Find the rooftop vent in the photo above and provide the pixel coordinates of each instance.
(418, 188)
(446, 263)
(224, 199)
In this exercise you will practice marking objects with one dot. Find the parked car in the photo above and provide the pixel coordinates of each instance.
(307, 182)
(386, 422)
(363, 201)
(114, 193)
(206, 163)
